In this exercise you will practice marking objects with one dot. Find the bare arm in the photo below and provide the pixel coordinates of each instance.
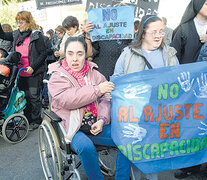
(87, 28)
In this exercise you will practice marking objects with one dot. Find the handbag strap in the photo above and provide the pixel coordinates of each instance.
(145, 60)
(147, 63)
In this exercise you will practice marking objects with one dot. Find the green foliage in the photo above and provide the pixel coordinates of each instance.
(6, 2)
(8, 12)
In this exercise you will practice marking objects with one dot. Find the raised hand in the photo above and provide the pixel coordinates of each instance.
(87, 27)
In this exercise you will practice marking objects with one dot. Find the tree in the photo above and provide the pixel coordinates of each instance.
(8, 12)
(6, 2)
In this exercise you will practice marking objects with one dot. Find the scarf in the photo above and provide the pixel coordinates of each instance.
(22, 36)
(79, 76)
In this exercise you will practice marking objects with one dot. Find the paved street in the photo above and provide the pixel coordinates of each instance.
(21, 162)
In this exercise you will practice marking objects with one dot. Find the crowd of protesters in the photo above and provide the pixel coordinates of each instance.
(154, 45)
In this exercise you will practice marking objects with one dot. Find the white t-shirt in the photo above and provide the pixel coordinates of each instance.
(201, 28)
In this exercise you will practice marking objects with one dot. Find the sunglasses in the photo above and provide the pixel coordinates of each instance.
(20, 22)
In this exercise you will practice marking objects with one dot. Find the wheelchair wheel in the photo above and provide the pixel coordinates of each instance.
(76, 175)
(49, 150)
(107, 160)
(15, 128)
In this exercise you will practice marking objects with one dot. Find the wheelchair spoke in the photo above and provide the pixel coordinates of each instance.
(10, 128)
(17, 133)
(22, 128)
(13, 121)
(11, 135)
(20, 122)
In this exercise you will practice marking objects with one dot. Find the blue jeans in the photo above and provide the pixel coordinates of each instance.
(87, 154)
(83, 145)
(123, 170)
(103, 138)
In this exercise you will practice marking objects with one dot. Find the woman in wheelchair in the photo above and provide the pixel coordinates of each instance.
(77, 92)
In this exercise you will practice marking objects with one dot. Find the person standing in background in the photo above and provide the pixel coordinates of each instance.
(190, 34)
(52, 36)
(71, 25)
(59, 52)
(168, 32)
(49, 34)
(4, 44)
(60, 32)
(136, 28)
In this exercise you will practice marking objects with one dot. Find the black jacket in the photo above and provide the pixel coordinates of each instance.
(7, 45)
(190, 13)
(37, 49)
(50, 53)
(187, 43)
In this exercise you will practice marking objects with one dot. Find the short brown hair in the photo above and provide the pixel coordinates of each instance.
(60, 29)
(70, 21)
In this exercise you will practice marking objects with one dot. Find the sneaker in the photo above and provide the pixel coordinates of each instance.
(33, 126)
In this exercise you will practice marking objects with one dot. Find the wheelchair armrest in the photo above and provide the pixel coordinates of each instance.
(52, 116)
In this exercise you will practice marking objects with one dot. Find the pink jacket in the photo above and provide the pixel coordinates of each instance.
(69, 99)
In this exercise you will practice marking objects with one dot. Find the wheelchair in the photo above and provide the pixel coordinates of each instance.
(58, 160)
(14, 125)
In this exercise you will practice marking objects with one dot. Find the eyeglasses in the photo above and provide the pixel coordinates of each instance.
(58, 33)
(154, 34)
(20, 22)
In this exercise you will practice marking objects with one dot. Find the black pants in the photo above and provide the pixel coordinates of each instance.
(193, 169)
(32, 87)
